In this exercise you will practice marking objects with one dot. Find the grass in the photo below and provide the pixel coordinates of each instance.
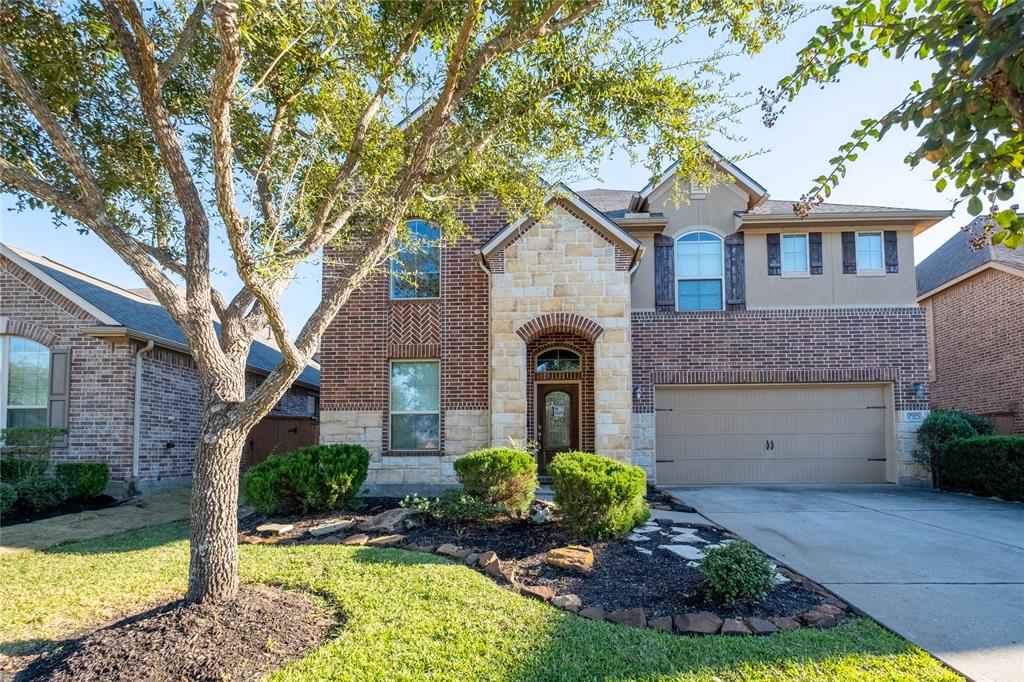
(413, 616)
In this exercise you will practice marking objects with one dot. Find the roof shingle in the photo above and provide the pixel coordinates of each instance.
(955, 258)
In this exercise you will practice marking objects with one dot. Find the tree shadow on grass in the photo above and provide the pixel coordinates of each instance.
(136, 540)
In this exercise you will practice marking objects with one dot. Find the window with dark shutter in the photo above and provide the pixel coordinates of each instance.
(774, 255)
(814, 244)
(664, 273)
(849, 253)
(735, 287)
(60, 383)
(892, 258)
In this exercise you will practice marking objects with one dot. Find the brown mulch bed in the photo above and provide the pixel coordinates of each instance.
(244, 639)
(24, 515)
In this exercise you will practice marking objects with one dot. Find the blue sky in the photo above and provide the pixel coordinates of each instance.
(799, 146)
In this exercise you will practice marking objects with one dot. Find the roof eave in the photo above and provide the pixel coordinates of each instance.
(993, 265)
(921, 220)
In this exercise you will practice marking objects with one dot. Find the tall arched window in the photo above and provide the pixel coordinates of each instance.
(24, 382)
(699, 267)
(416, 268)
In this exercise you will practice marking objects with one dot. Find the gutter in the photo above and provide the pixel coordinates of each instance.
(137, 424)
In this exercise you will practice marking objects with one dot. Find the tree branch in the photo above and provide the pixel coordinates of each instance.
(188, 34)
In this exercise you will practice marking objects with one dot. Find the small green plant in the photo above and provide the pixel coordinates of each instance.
(416, 501)
(499, 476)
(39, 493)
(454, 506)
(14, 469)
(269, 644)
(983, 425)
(8, 496)
(82, 480)
(938, 429)
(984, 465)
(599, 497)
(736, 572)
(313, 479)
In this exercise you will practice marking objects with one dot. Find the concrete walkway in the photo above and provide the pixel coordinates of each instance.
(946, 571)
(160, 506)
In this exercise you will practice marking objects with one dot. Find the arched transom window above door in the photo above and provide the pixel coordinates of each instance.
(558, 360)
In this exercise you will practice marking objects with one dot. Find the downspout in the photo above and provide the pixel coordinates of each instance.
(136, 424)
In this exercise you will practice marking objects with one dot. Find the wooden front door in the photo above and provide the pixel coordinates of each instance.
(558, 421)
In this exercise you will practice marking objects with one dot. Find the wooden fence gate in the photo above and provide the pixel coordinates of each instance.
(277, 434)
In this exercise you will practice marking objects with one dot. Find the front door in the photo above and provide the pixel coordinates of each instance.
(558, 421)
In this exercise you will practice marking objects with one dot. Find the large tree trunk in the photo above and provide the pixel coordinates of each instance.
(213, 560)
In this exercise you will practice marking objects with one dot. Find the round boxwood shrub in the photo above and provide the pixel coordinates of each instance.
(939, 428)
(313, 479)
(598, 497)
(983, 425)
(39, 493)
(499, 476)
(736, 572)
(82, 480)
(984, 465)
(8, 495)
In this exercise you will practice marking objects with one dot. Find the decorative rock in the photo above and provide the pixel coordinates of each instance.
(643, 550)
(664, 523)
(471, 558)
(841, 605)
(631, 617)
(331, 527)
(663, 623)
(490, 563)
(248, 539)
(703, 623)
(690, 519)
(426, 549)
(593, 613)
(731, 626)
(541, 515)
(816, 618)
(688, 552)
(829, 609)
(448, 550)
(508, 573)
(393, 521)
(279, 528)
(386, 540)
(573, 557)
(569, 602)
(785, 623)
(541, 592)
(357, 539)
(760, 626)
(688, 538)
(662, 506)
(636, 537)
(461, 553)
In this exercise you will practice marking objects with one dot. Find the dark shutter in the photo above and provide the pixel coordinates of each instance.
(892, 257)
(735, 287)
(60, 376)
(814, 249)
(664, 273)
(774, 255)
(849, 253)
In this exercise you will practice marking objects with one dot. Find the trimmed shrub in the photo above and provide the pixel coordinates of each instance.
(599, 497)
(14, 469)
(736, 572)
(984, 465)
(83, 480)
(454, 505)
(8, 495)
(40, 493)
(939, 428)
(313, 479)
(499, 476)
(983, 425)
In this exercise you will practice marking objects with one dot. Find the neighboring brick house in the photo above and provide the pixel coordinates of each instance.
(716, 340)
(974, 302)
(71, 346)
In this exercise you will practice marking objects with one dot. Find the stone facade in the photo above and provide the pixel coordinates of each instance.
(977, 331)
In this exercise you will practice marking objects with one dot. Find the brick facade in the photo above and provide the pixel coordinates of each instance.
(977, 328)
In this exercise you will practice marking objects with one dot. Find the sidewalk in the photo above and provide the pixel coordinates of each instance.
(160, 506)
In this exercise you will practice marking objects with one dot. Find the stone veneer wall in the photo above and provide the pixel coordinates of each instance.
(822, 345)
(561, 265)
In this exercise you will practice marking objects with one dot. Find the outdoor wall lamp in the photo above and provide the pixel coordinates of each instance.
(637, 392)
(918, 388)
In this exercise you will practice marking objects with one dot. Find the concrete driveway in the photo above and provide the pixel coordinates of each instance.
(946, 571)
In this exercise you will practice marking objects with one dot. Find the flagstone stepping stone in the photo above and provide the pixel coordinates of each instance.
(685, 551)
(688, 538)
(636, 537)
(644, 550)
(279, 528)
(332, 526)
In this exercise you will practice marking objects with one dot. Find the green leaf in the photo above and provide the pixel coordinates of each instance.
(974, 206)
(1006, 217)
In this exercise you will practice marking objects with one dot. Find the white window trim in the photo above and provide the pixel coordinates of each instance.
(5, 364)
(678, 278)
(870, 272)
(440, 271)
(391, 413)
(796, 274)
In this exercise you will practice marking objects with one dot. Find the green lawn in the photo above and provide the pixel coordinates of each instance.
(414, 616)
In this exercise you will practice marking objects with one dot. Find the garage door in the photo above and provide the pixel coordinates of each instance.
(771, 434)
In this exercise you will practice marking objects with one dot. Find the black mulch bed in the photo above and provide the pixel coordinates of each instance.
(261, 630)
(22, 515)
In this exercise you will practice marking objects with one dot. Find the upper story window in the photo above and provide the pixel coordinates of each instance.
(699, 267)
(416, 268)
(24, 382)
(415, 405)
(558, 360)
(870, 257)
(794, 254)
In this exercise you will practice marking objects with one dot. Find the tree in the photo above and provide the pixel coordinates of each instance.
(291, 126)
(970, 118)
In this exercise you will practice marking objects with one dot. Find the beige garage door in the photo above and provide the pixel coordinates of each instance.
(771, 434)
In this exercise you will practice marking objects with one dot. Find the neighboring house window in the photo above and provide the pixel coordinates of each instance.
(24, 382)
(415, 405)
(794, 254)
(869, 252)
(558, 360)
(416, 268)
(699, 268)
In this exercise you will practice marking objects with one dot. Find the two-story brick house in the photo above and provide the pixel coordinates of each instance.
(715, 340)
